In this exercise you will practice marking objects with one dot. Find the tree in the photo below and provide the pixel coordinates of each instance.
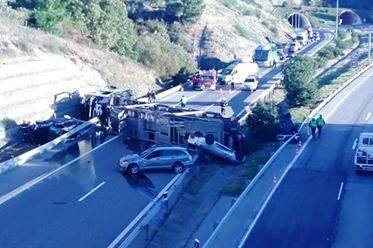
(49, 14)
(193, 10)
(300, 86)
(264, 121)
(184, 10)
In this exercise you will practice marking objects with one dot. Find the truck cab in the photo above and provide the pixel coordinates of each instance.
(205, 80)
(364, 153)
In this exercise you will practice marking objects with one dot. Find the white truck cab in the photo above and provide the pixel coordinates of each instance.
(364, 153)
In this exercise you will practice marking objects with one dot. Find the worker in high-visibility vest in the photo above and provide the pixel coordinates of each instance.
(320, 122)
(313, 126)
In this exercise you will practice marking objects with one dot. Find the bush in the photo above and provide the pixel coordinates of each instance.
(264, 121)
(299, 84)
(159, 53)
(241, 30)
(247, 12)
(229, 3)
(274, 30)
(49, 14)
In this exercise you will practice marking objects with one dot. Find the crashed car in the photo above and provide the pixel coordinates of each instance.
(210, 146)
(168, 157)
(287, 128)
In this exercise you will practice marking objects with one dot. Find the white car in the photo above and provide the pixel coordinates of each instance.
(250, 83)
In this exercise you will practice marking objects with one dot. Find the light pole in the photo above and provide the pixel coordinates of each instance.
(370, 44)
(337, 20)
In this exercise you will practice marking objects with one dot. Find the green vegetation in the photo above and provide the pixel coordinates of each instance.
(241, 30)
(300, 86)
(155, 38)
(229, 3)
(249, 170)
(263, 121)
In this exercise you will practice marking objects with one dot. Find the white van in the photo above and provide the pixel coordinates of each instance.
(364, 153)
(237, 73)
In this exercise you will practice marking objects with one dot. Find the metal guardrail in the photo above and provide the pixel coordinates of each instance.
(154, 209)
(21, 159)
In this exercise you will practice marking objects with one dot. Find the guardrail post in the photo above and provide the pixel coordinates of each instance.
(165, 203)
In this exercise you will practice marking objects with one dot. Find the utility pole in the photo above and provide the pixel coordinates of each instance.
(336, 20)
(370, 44)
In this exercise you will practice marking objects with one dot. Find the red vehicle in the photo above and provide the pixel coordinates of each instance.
(205, 80)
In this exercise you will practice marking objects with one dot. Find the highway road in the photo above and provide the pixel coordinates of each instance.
(237, 99)
(322, 202)
(86, 203)
(74, 196)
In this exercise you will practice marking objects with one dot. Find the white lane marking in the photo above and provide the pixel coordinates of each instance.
(340, 191)
(31, 183)
(292, 163)
(368, 116)
(91, 192)
(354, 144)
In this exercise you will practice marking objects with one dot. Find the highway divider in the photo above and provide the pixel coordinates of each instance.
(143, 227)
(21, 159)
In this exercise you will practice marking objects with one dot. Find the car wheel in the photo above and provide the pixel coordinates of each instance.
(178, 167)
(133, 169)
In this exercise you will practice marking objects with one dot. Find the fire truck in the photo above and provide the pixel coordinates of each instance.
(204, 80)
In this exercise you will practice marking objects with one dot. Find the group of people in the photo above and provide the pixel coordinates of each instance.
(318, 124)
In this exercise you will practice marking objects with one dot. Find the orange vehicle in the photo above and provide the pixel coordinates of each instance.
(205, 80)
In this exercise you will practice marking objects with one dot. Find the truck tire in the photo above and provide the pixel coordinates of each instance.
(210, 139)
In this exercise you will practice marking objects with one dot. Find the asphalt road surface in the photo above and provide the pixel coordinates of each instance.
(85, 204)
(305, 210)
(237, 99)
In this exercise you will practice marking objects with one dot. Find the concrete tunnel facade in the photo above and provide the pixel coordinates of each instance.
(299, 20)
(349, 17)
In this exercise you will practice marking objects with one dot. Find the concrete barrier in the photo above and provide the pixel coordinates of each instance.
(164, 93)
(143, 227)
(21, 159)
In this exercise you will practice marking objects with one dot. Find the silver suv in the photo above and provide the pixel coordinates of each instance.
(175, 158)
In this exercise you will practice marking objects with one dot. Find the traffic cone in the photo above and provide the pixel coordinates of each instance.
(230, 91)
(299, 146)
(274, 180)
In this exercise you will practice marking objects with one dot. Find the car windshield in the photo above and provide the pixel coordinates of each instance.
(147, 151)
(207, 79)
(227, 71)
(261, 55)
(250, 80)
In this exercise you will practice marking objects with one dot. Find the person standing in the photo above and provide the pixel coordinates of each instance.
(320, 122)
(183, 101)
(223, 104)
(313, 127)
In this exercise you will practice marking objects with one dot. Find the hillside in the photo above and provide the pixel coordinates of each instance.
(18, 41)
(237, 27)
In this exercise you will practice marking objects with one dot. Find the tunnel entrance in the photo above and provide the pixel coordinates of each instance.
(348, 17)
(299, 20)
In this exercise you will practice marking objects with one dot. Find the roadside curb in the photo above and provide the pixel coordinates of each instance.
(21, 159)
